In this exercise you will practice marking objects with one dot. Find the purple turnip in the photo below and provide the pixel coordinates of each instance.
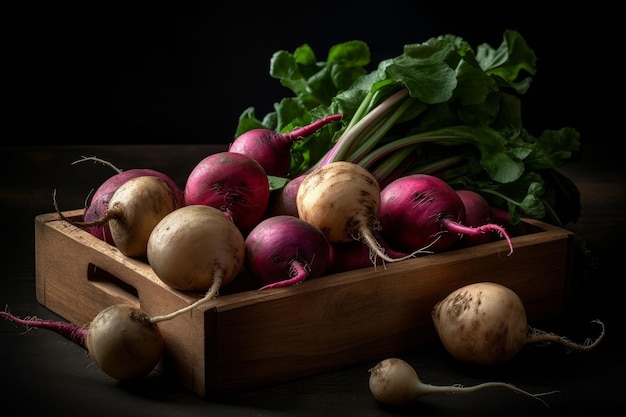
(423, 211)
(283, 201)
(232, 182)
(285, 250)
(272, 149)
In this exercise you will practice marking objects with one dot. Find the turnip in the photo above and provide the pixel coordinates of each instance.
(283, 200)
(99, 201)
(133, 211)
(233, 183)
(394, 382)
(478, 212)
(272, 149)
(196, 247)
(122, 340)
(485, 323)
(422, 210)
(342, 199)
(285, 250)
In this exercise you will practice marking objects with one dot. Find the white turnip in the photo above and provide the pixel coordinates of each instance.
(421, 210)
(485, 323)
(394, 382)
(285, 250)
(342, 199)
(99, 200)
(233, 183)
(272, 149)
(121, 339)
(133, 210)
(196, 247)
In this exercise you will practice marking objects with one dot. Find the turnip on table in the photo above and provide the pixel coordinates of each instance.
(395, 382)
(485, 323)
(121, 339)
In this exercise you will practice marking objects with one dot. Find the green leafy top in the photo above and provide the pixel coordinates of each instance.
(440, 107)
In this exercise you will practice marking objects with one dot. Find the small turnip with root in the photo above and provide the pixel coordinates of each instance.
(195, 248)
(122, 340)
(272, 149)
(284, 250)
(233, 183)
(485, 323)
(342, 199)
(133, 211)
(421, 210)
(394, 382)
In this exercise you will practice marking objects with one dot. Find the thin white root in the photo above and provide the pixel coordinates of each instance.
(539, 336)
(95, 159)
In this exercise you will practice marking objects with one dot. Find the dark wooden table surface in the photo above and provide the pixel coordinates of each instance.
(42, 372)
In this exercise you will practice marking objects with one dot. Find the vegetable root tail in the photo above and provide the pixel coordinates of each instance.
(453, 226)
(300, 275)
(538, 336)
(217, 282)
(70, 331)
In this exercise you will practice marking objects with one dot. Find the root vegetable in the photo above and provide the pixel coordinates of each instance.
(342, 199)
(272, 149)
(283, 201)
(99, 201)
(485, 323)
(196, 247)
(421, 210)
(121, 339)
(233, 183)
(394, 382)
(133, 211)
(285, 250)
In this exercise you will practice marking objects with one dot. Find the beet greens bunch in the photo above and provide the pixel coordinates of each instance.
(439, 108)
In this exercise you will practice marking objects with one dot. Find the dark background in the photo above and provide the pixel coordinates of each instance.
(182, 72)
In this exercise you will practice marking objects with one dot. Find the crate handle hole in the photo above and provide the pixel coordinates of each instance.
(111, 284)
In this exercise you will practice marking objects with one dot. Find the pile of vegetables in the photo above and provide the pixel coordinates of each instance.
(406, 160)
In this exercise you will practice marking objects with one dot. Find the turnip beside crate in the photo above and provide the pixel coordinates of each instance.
(249, 338)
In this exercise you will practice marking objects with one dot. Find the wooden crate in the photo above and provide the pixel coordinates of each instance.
(251, 338)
